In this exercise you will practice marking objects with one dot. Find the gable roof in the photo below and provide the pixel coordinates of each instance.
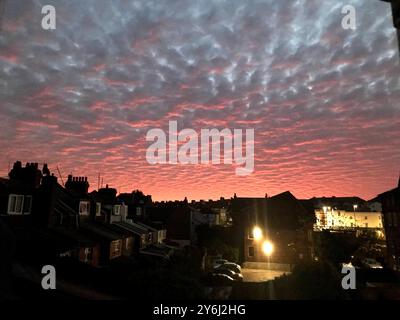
(101, 232)
(130, 227)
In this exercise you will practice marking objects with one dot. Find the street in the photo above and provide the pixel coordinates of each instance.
(260, 275)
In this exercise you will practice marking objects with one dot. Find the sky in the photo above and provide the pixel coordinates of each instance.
(324, 102)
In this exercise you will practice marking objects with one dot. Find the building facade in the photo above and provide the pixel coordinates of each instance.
(275, 231)
(390, 201)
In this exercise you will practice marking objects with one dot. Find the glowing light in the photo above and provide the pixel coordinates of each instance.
(267, 248)
(257, 233)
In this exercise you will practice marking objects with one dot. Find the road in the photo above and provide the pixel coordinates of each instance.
(260, 275)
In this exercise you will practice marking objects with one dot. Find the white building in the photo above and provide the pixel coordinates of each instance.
(329, 218)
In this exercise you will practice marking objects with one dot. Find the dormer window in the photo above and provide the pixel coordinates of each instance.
(19, 204)
(117, 210)
(84, 208)
(124, 210)
(98, 209)
(27, 207)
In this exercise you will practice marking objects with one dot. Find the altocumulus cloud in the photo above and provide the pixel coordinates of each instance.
(324, 102)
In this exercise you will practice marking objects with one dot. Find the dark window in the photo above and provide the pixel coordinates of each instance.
(27, 204)
(251, 251)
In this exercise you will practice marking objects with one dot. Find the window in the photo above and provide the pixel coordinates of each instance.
(138, 211)
(250, 235)
(117, 210)
(27, 205)
(251, 251)
(19, 204)
(66, 254)
(84, 208)
(128, 244)
(98, 209)
(124, 210)
(115, 249)
(88, 255)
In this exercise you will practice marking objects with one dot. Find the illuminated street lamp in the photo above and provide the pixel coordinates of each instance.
(257, 233)
(267, 248)
(354, 213)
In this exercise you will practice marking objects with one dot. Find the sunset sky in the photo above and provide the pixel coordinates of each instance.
(324, 102)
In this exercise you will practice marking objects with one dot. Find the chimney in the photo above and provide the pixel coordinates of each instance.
(29, 175)
(77, 184)
(45, 170)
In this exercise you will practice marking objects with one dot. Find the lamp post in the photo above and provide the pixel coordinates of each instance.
(354, 214)
(257, 233)
(267, 246)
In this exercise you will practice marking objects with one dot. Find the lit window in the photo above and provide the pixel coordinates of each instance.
(98, 209)
(115, 249)
(84, 208)
(19, 204)
(88, 255)
(117, 210)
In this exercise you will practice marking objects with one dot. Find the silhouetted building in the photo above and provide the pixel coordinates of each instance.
(390, 201)
(30, 174)
(79, 185)
(137, 203)
(276, 230)
(395, 4)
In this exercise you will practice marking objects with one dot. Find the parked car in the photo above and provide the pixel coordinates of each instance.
(232, 266)
(371, 263)
(218, 262)
(218, 279)
(230, 273)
